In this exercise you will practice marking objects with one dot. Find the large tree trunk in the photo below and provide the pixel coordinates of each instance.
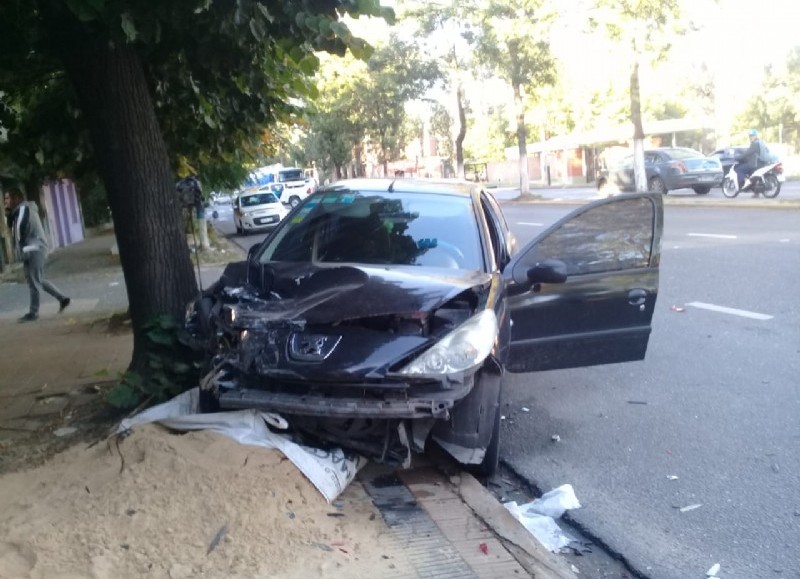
(462, 131)
(639, 172)
(524, 182)
(132, 158)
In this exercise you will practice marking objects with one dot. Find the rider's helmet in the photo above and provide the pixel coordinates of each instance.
(752, 133)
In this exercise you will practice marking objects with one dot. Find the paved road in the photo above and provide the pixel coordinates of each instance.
(714, 404)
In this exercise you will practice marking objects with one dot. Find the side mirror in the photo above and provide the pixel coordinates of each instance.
(548, 271)
(252, 251)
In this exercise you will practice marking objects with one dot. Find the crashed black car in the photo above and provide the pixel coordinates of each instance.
(382, 314)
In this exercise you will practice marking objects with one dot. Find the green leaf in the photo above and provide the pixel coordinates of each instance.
(265, 11)
(122, 396)
(181, 367)
(128, 26)
(133, 379)
(257, 29)
(84, 10)
(39, 157)
(161, 337)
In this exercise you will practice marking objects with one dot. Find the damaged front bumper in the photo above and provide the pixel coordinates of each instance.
(398, 401)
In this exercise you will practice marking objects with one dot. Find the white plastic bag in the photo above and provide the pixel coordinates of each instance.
(538, 516)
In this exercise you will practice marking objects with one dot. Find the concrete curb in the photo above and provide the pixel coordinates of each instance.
(542, 564)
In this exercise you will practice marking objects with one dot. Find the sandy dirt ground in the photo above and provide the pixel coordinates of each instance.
(159, 504)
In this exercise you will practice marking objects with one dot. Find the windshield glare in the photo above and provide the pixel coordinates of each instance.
(291, 175)
(258, 199)
(377, 228)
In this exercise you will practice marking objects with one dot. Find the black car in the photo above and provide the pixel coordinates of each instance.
(667, 169)
(380, 314)
(727, 156)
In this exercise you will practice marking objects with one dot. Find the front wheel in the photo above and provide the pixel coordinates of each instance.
(702, 189)
(491, 460)
(730, 188)
(294, 201)
(771, 186)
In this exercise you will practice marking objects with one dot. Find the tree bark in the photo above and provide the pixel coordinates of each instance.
(114, 96)
(639, 172)
(462, 131)
(524, 182)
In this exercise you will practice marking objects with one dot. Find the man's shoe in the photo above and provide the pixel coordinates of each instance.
(63, 304)
(29, 317)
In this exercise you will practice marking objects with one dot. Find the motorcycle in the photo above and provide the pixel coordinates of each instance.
(764, 181)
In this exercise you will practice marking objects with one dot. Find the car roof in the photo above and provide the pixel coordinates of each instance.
(453, 187)
(670, 149)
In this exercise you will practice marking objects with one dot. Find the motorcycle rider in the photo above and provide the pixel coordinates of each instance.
(747, 162)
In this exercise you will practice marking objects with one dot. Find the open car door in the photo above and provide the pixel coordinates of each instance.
(601, 313)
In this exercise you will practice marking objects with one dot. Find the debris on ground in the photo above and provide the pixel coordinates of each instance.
(538, 516)
(690, 507)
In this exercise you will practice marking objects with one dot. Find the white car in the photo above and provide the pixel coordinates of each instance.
(296, 186)
(257, 211)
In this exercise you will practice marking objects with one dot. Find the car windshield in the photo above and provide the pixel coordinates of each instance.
(290, 175)
(380, 228)
(258, 199)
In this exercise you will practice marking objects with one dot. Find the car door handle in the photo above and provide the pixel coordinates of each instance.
(637, 297)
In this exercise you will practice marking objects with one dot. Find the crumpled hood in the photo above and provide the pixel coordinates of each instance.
(321, 294)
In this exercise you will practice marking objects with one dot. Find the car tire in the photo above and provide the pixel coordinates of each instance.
(491, 460)
(294, 201)
(656, 185)
(702, 189)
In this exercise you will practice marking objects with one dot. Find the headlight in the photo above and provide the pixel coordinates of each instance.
(462, 349)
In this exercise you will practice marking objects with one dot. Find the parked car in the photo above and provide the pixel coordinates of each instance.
(726, 157)
(382, 314)
(667, 169)
(220, 198)
(296, 186)
(255, 210)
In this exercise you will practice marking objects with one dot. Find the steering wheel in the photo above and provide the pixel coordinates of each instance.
(450, 255)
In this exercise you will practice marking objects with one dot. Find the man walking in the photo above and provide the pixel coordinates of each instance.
(30, 246)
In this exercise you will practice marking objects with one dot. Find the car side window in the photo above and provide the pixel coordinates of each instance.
(602, 239)
(651, 158)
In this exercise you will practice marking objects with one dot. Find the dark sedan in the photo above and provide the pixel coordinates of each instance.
(727, 156)
(382, 314)
(667, 169)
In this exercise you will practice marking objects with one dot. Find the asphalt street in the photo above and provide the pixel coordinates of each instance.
(688, 458)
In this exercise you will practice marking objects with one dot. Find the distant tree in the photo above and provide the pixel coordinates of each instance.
(776, 109)
(644, 28)
(442, 128)
(512, 42)
(452, 20)
(397, 73)
(336, 124)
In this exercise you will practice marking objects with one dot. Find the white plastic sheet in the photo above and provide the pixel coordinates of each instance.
(539, 516)
(330, 471)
